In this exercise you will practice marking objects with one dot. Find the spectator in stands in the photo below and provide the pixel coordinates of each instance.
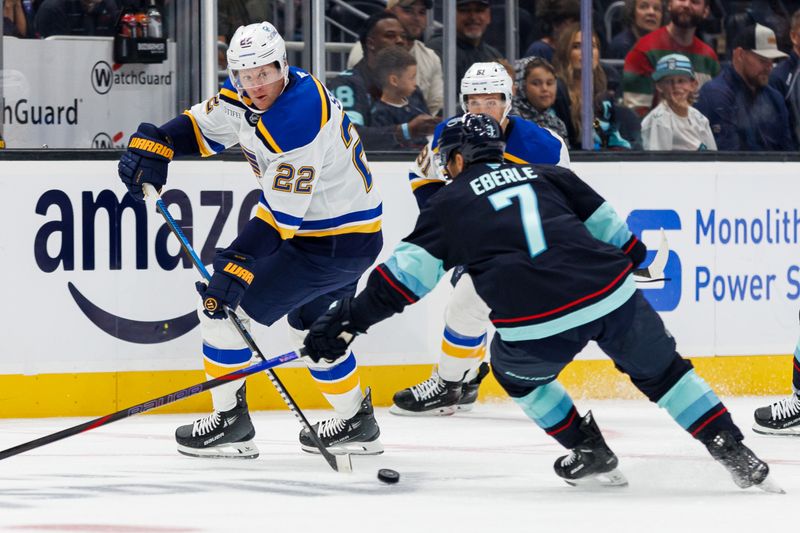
(567, 62)
(676, 37)
(536, 95)
(357, 89)
(555, 15)
(744, 111)
(401, 101)
(413, 15)
(472, 19)
(674, 124)
(641, 17)
(784, 76)
(15, 24)
(73, 17)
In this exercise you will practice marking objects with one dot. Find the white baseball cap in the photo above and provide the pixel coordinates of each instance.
(760, 40)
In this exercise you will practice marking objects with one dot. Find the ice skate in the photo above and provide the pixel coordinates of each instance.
(590, 463)
(221, 434)
(432, 397)
(780, 418)
(357, 435)
(469, 391)
(746, 469)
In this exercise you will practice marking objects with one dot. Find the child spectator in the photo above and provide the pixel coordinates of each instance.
(674, 124)
(401, 100)
(536, 94)
(641, 17)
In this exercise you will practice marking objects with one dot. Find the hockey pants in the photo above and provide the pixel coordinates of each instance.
(634, 337)
(302, 286)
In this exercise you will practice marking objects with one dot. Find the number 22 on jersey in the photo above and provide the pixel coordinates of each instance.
(529, 212)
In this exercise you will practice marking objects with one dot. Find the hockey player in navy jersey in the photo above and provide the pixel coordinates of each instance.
(553, 261)
(486, 88)
(316, 230)
(782, 417)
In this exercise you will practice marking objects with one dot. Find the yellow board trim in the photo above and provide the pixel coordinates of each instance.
(339, 387)
(514, 159)
(267, 217)
(100, 393)
(372, 227)
(204, 151)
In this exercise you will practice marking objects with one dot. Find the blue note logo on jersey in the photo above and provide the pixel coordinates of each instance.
(639, 221)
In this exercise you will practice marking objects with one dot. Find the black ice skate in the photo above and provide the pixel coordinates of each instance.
(590, 463)
(357, 435)
(746, 469)
(469, 392)
(780, 418)
(432, 397)
(220, 434)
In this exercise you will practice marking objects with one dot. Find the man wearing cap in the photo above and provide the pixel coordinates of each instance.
(784, 77)
(744, 111)
(674, 124)
(472, 19)
(413, 15)
(677, 37)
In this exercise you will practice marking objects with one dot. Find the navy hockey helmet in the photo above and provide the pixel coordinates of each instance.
(478, 138)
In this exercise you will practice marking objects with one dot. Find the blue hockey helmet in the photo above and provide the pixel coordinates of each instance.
(478, 138)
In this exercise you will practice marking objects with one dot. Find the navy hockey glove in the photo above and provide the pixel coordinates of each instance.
(324, 339)
(146, 159)
(233, 273)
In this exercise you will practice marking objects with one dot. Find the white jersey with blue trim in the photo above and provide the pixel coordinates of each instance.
(308, 159)
(526, 143)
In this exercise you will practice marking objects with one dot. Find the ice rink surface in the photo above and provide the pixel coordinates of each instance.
(489, 471)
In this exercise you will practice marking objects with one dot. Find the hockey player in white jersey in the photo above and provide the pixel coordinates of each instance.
(316, 230)
(486, 88)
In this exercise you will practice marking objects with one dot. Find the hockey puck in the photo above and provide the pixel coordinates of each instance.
(388, 476)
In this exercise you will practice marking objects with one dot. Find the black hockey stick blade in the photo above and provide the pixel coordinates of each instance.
(655, 270)
(166, 399)
(340, 463)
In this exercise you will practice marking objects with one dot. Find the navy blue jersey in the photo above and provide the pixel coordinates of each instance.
(544, 250)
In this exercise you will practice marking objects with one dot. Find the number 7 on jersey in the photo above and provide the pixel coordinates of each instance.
(529, 211)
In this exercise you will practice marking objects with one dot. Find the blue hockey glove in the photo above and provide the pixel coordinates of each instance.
(146, 159)
(324, 339)
(233, 273)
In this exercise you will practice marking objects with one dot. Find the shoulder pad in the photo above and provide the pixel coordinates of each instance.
(529, 143)
(297, 116)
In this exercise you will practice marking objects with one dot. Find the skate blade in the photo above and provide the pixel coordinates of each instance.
(788, 432)
(614, 478)
(769, 485)
(439, 411)
(465, 408)
(234, 450)
(350, 448)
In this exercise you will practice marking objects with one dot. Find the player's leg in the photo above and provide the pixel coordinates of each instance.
(635, 338)
(353, 429)
(454, 385)
(783, 416)
(228, 430)
(527, 370)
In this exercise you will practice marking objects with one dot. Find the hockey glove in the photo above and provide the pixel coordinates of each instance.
(233, 273)
(325, 339)
(146, 159)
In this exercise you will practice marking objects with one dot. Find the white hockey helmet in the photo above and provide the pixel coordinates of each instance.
(487, 78)
(252, 46)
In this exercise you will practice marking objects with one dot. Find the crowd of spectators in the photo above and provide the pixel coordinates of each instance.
(667, 74)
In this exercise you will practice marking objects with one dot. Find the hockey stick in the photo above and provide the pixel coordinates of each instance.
(655, 270)
(150, 404)
(340, 463)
